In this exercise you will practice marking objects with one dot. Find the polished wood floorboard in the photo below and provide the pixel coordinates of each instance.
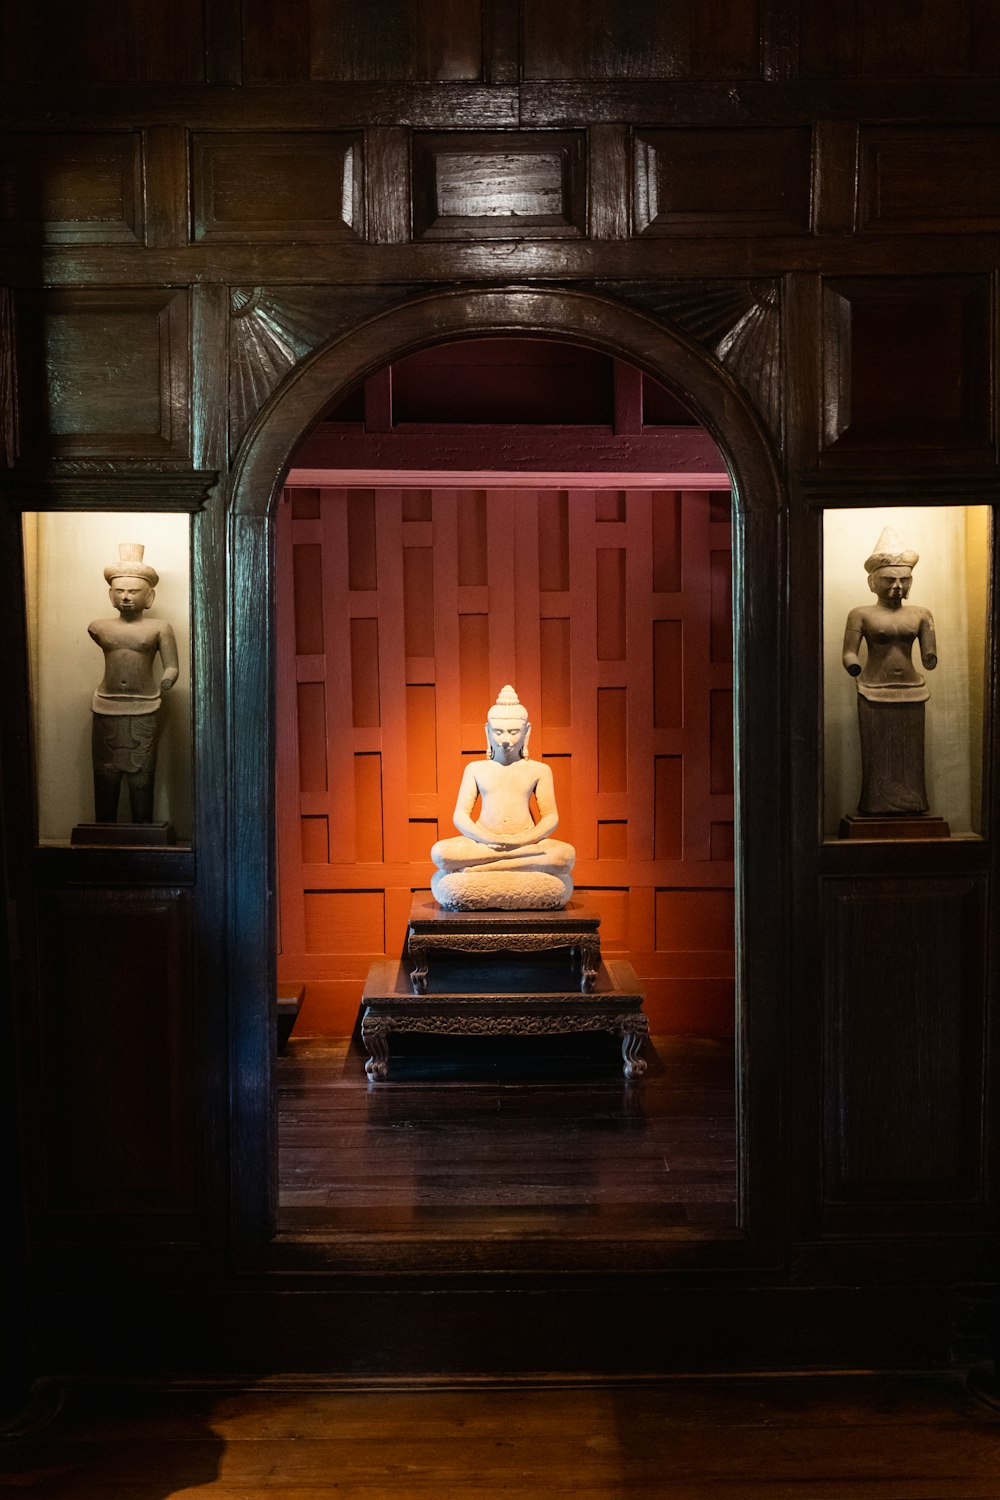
(514, 1127)
(814, 1437)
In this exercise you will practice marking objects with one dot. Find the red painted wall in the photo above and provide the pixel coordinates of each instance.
(402, 613)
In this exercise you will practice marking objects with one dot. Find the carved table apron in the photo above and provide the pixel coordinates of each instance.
(432, 929)
(614, 1004)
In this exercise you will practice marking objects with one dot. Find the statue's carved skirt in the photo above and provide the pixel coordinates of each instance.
(892, 758)
(124, 744)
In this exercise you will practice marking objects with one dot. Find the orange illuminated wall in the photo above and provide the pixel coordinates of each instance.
(402, 612)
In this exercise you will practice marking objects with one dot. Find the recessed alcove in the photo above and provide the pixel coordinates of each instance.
(480, 512)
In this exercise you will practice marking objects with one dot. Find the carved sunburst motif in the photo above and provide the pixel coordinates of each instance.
(270, 334)
(273, 330)
(738, 321)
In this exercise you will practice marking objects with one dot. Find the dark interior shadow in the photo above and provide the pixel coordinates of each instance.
(143, 1442)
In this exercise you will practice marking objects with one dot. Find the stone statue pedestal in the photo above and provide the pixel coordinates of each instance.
(523, 999)
(130, 835)
(873, 826)
(433, 929)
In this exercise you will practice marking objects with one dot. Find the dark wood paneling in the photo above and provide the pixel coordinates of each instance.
(610, 183)
(721, 181)
(166, 188)
(338, 42)
(387, 185)
(71, 188)
(835, 176)
(10, 417)
(119, 41)
(896, 39)
(273, 186)
(641, 39)
(489, 187)
(105, 374)
(547, 389)
(115, 1040)
(907, 366)
(930, 180)
(276, 41)
(434, 41)
(904, 995)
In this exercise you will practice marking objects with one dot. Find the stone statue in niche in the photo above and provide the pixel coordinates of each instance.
(891, 692)
(504, 860)
(126, 716)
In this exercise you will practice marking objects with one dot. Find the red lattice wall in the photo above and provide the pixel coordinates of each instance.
(402, 612)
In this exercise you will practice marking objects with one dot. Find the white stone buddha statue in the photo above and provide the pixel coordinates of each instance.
(504, 860)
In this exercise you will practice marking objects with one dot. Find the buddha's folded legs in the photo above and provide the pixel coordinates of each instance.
(458, 854)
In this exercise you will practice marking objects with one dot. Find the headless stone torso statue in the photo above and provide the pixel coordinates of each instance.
(504, 860)
(891, 692)
(126, 718)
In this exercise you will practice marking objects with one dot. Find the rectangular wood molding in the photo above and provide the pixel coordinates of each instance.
(470, 185)
(276, 185)
(116, 1029)
(903, 1042)
(71, 187)
(722, 181)
(907, 367)
(138, 341)
(920, 179)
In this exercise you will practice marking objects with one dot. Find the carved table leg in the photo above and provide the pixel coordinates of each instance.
(590, 957)
(418, 974)
(635, 1065)
(375, 1036)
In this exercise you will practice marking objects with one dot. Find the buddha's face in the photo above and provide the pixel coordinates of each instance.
(891, 585)
(130, 596)
(506, 735)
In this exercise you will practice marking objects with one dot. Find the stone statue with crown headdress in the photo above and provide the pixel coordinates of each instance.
(504, 859)
(126, 715)
(891, 692)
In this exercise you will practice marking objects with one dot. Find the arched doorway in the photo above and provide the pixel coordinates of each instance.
(595, 323)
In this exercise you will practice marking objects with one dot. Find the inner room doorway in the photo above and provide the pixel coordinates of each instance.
(488, 511)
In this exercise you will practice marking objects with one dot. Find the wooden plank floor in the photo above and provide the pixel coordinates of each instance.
(543, 1126)
(883, 1437)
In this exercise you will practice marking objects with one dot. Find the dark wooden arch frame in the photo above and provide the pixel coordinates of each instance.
(761, 737)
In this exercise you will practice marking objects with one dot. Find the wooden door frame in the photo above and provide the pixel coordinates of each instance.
(761, 760)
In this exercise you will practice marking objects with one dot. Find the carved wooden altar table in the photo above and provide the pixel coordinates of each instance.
(497, 999)
(432, 930)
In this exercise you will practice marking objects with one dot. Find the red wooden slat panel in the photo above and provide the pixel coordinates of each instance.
(610, 612)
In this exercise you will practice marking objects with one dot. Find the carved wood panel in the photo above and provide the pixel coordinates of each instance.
(105, 373)
(946, 38)
(276, 185)
(907, 364)
(722, 181)
(119, 41)
(480, 186)
(904, 982)
(904, 1034)
(641, 39)
(419, 40)
(117, 1065)
(82, 187)
(402, 612)
(918, 178)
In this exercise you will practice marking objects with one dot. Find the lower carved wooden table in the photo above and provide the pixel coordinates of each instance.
(433, 930)
(520, 1003)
